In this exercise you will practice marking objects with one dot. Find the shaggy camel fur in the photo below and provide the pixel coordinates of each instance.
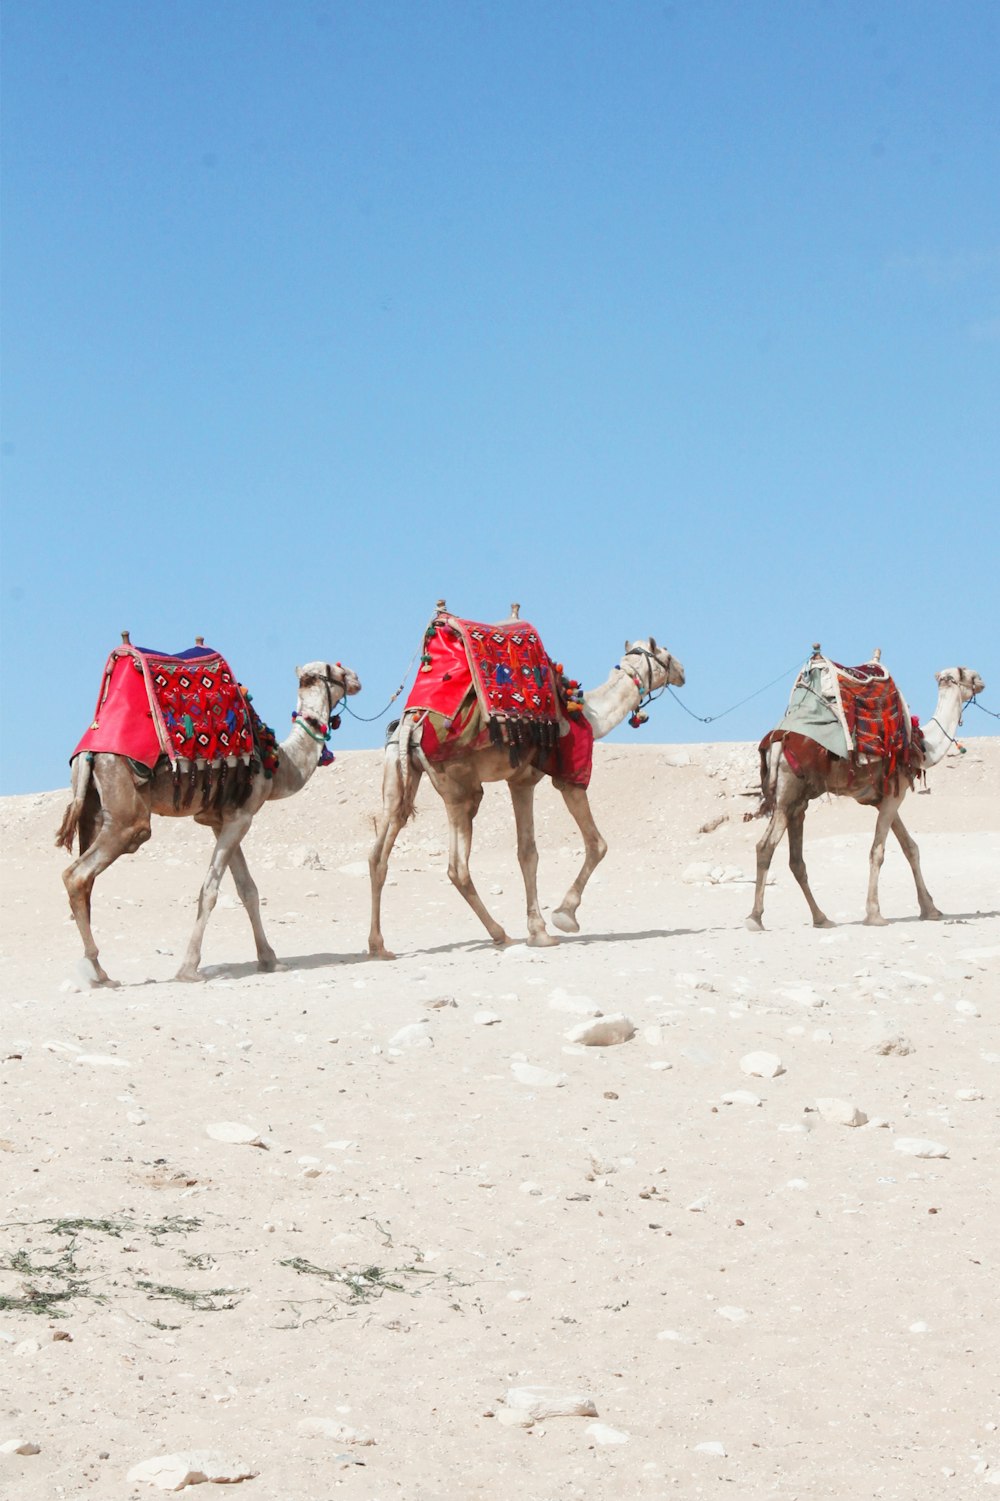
(111, 811)
(787, 794)
(645, 669)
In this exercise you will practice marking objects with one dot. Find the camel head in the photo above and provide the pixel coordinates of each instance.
(322, 685)
(967, 682)
(653, 665)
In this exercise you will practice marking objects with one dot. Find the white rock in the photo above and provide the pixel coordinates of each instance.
(969, 1094)
(440, 1002)
(841, 1112)
(967, 1008)
(172, 1472)
(916, 1146)
(486, 1018)
(603, 1031)
(234, 1133)
(762, 1065)
(101, 1060)
(413, 1035)
(601, 1433)
(697, 874)
(341, 1433)
(741, 1097)
(919, 1327)
(735, 1315)
(26, 1348)
(711, 1448)
(533, 1404)
(660, 1065)
(19, 1446)
(537, 1078)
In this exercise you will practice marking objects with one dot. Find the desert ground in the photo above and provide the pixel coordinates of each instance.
(322, 1228)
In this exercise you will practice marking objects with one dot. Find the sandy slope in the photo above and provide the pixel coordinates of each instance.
(819, 1304)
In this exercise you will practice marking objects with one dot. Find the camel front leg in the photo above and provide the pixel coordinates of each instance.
(909, 847)
(594, 851)
(766, 847)
(461, 811)
(883, 823)
(523, 798)
(230, 834)
(267, 959)
(797, 865)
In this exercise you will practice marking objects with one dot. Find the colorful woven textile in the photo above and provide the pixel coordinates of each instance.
(481, 685)
(187, 707)
(877, 719)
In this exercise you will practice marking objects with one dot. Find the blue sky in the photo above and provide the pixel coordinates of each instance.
(673, 318)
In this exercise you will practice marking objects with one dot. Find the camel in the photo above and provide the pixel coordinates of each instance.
(645, 669)
(111, 810)
(787, 794)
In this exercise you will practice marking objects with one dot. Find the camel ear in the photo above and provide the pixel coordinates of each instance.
(652, 643)
(628, 644)
(298, 672)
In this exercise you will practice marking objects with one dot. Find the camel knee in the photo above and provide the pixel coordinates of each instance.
(137, 838)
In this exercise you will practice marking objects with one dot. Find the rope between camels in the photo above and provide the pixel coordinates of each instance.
(371, 718)
(711, 718)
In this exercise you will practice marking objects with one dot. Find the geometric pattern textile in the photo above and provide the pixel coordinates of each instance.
(186, 706)
(481, 684)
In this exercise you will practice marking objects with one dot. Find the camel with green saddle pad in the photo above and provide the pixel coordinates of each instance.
(848, 732)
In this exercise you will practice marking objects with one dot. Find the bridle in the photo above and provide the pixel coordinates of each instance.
(315, 728)
(646, 694)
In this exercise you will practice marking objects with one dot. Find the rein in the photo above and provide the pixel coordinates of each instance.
(711, 718)
(646, 695)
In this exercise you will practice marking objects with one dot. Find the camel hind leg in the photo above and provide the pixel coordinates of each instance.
(522, 796)
(231, 832)
(797, 865)
(114, 821)
(594, 848)
(462, 809)
(246, 886)
(391, 820)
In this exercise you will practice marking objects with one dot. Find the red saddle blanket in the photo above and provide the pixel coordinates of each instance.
(188, 707)
(482, 685)
(878, 722)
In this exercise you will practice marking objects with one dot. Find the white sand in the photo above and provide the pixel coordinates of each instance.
(749, 1278)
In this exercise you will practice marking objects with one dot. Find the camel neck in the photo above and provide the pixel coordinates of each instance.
(298, 758)
(606, 706)
(940, 730)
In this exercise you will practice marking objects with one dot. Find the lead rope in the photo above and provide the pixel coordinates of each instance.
(371, 718)
(711, 718)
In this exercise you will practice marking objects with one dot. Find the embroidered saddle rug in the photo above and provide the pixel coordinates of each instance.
(481, 685)
(855, 713)
(187, 707)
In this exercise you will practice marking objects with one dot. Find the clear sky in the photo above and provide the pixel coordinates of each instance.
(679, 319)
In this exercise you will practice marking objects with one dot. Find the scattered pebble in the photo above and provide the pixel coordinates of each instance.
(603, 1031)
(713, 1447)
(841, 1112)
(917, 1146)
(741, 1097)
(486, 1018)
(762, 1065)
(602, 1434)
(19, 1446)
(533, 1404)
(540, 1078)
(735, 1315)
(173, 1472)
(413, 1035)
(330, 1428)
(235, 1134)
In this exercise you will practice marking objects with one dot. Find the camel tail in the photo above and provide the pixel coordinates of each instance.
(71, 818)
(770, 760)
(408, 783)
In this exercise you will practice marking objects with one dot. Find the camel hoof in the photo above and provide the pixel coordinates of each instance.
(271, 966)
(753, 924)
(542, 940)
(823, 922)
(932, 916)
(876, 920)
(379, 953)
(565, 922)
(502, 941)
(93, 976)
(189, 976)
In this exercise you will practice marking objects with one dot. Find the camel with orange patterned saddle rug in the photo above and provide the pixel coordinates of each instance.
(847, 731)
(176, 735)
(489, 705)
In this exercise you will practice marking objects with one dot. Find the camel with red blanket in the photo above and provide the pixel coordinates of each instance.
(883, 753)
(460, 758)
(114, 795)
